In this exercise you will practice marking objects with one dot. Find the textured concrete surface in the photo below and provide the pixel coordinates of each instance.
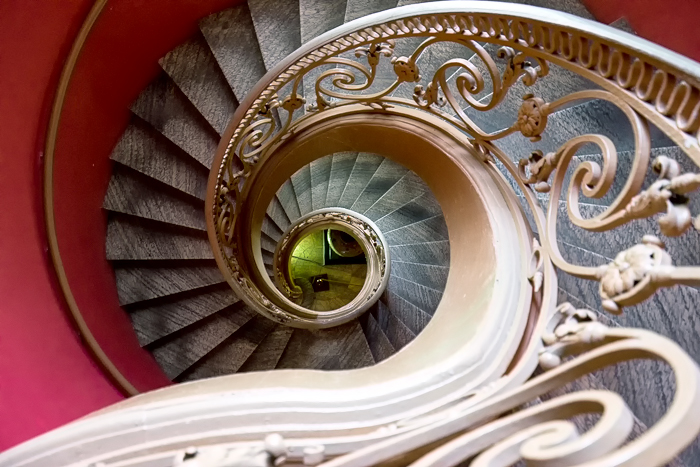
(133, 238)
(231, 37)
(132, 193)
(193, 67)
(169, 111)
(156, 319)
(147, 151)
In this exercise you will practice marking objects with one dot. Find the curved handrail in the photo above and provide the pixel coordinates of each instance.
(51, 135)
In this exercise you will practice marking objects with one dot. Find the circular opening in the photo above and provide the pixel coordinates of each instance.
(329, 266)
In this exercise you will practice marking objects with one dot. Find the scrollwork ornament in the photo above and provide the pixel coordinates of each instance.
(536, 274)
(406, 69)
(429, 96)
(634, 275)
(375, 51)
(572, 326)
(540, 167)
(293, 102)
(518, 65)
(669, 193)
(532, 117)
(645, 87)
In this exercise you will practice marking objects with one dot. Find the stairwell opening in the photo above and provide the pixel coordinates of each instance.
(330, 267)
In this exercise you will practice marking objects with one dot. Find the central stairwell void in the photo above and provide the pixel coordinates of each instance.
(450, 233)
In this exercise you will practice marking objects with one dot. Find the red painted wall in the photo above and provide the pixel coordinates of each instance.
(118, 61)
(47, 377)
(671, 23)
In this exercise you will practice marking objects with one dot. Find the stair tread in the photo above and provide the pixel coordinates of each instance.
(413, 317)
(132, 193)
(179, 352)
(144, 149)
(267, 243)
(278, 28)
(169, 111)
(320, 171)
(416, 210)
(426, 230)
(437, 253)
(228, 356)
(146, 282)
(269, 351)
(341, 168)
(339, 348)
(397, 332)
(319, 16)
(408, 188)
(270, 228)
(428, 275)
(378, 343)
(301, 181)
(275, 211)
(194, 69)
(232, 39)
(359, 8)
(419, 296)
(288, 199)
(268, 257)
(386, 176)
(158, 320)
(364, 168)
(133, 238)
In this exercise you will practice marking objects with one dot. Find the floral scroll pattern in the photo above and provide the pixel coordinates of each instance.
(510, 50)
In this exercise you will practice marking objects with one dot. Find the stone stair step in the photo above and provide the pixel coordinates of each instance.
(169, 111)
(194, 69)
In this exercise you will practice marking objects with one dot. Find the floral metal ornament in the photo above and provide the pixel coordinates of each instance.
(669, 193)
(532, 117)
(540, 167)
(634, 275)
(571, 326)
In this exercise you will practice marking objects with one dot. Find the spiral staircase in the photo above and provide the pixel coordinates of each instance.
(187, 316)
(179, 269)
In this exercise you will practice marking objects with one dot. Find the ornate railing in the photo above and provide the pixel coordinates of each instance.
(648, 86)
(512, 46)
